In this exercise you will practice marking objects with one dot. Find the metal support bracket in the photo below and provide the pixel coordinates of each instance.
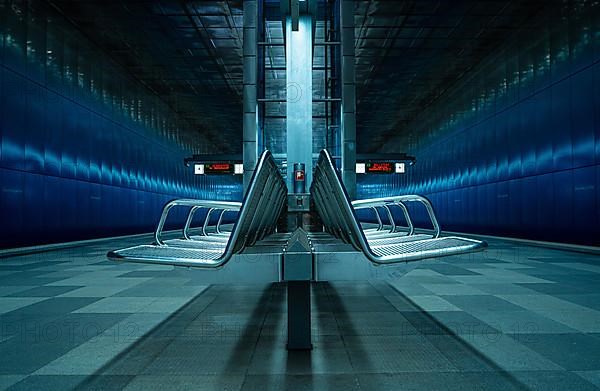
(298, 272)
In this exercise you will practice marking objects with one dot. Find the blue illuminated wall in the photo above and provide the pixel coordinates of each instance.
(84, 151)
(514, 149)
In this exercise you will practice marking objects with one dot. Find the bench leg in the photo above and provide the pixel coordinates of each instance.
(299, 334)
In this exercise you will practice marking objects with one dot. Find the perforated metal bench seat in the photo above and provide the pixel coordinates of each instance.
(167, 255)
(380, 246)
(387, 234)
(380, 234)
(196, 244)
(411, 250)
(397, 239)
(216, 238)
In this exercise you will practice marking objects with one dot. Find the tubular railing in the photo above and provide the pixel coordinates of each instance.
(402, 200)
(390, 216)
(194, 206)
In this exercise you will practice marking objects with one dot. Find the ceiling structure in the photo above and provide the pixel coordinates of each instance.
(187, 52)
(408, 54)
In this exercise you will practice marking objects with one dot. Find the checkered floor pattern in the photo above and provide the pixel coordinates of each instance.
(513, 317)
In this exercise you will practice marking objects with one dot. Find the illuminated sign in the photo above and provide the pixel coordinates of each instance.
(219, 168)
(379, 168)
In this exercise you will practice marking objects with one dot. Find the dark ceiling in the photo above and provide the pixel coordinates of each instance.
(190, 54)
(409, 53)
(187, 52)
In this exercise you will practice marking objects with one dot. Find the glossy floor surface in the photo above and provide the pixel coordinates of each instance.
(513, 317)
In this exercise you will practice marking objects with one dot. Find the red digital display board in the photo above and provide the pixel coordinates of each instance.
(379, 168)
(219, 168)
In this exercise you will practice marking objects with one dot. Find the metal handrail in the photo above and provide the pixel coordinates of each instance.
(375, 202)
(390, 216)
(188, 222)
(379, 221)
(387, 207)
(206, 221)
(195, 205)
(411, 227)
(217, 228)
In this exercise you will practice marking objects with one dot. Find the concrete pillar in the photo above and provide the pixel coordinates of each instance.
(348, 120)
(250, 147)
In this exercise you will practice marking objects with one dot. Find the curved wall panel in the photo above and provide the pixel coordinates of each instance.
(514, 150)
(84, 151)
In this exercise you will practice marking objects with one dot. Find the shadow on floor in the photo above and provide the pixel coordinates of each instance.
(235, 336)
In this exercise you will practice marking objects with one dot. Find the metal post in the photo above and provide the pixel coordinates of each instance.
(299, 334)
(298, 272)
(250, 147)
(348, 123)
(299, 97)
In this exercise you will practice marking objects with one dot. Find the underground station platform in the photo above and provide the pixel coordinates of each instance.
(300, 310)
(512, 317)
(299, 195)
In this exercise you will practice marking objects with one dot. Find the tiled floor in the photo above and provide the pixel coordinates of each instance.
(514, 317)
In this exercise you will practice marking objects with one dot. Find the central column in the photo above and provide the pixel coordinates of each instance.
(348, 98)
(250, 147)
(298, 53)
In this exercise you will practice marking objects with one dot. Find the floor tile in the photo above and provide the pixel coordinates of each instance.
(8, 380)
(61, 383)
(433, 303)
(457, 381)
(94, 291)
(9, 290)
(45, 291)
(300, 382)
(513, 318)
(116, 305)
(553, 381)
(570, 351)
(590, 376)
(522, 322)
(508, 354)
(481, 303)
(185, 382)
(408, 353)
(8, 304)
(317, 361)
(589, 300)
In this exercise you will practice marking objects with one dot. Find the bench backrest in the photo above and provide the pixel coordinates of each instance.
(261, 207)
(333, 204)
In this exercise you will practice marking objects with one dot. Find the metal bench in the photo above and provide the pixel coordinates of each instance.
(257, 217)
(339, 218)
